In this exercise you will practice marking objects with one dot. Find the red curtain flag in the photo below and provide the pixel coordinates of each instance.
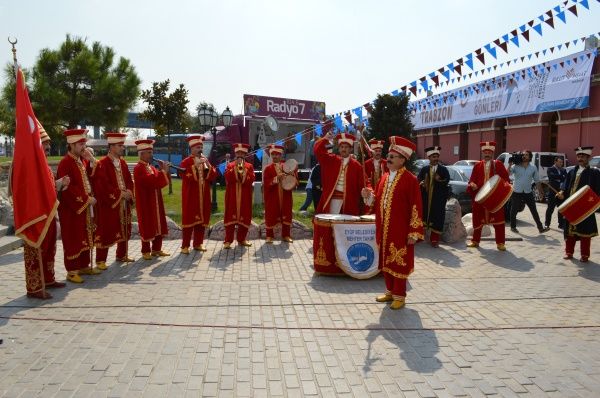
(34, 195)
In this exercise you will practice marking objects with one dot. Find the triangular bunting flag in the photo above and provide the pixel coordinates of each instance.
(504, 47)
(550, 21)
(490, 50)
(222, 165)
(561, 16)
(525, 35)
(481, 58)
(515, 40)
(318, 130)
(298, 138)
(538, 28)
(358, 111)
(585, 4)
(573, 9)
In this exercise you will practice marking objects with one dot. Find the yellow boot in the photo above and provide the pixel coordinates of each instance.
(101, 265)
(501, 247)
(200, 248)
(397, 304)
(160, 253)
(269, 240)
(288, 239)
(384, 298)
(89, 271)
(185, 250)
(126, 259)
(473, 244)
(74, 277)
(245, 243)
(147, 256)
(227, 245)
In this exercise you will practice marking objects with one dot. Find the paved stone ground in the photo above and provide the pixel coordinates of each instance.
(257, 323)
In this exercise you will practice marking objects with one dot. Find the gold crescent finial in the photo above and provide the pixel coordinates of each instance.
(14, 49)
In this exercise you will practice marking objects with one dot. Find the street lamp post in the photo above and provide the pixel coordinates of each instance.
(208, 118)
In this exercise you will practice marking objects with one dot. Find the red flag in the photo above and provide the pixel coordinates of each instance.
(34, 195)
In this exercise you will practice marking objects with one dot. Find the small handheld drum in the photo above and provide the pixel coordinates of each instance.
(494, 194)
(580, 205)
(289, 180)
(290, 166)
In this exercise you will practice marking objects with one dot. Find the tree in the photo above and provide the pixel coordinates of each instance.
(7, 99)
(390, 116)
(167, 111)
(81, 84)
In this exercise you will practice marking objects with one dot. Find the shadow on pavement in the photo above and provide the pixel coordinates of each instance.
(277, 250)
(589, 270)
(345, 284)
(418, 347)
(443, 255)
(506, 259)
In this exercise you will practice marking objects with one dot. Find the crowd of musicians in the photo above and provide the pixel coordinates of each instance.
(97, 197)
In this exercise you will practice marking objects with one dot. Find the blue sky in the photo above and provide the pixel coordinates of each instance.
(340, 52)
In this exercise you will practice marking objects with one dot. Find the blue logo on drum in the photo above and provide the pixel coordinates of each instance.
(360, 256)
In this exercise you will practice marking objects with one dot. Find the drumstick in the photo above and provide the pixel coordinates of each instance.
(550, 186)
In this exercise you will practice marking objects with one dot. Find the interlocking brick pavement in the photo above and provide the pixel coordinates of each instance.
(257, 322)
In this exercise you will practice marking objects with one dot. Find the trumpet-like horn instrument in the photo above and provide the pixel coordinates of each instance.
(169, 163)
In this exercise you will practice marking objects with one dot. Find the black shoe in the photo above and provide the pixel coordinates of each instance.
(516, 231)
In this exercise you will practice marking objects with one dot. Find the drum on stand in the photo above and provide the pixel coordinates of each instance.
(324, 258)
(580, 205)
(494, 194)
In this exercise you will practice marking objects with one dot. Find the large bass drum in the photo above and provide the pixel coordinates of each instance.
(494, 194)
(580, 205)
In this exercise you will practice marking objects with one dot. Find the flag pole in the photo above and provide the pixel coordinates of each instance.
(38, 250)
(13, 42)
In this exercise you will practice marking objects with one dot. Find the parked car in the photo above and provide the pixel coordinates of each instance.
(465, 163)
(465, 169)
(458, 188)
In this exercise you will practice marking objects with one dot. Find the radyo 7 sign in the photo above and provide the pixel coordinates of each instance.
(283, 108)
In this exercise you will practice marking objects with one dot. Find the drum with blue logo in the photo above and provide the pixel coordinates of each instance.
(345, 244)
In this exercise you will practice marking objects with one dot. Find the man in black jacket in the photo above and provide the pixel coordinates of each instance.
(434, 194)
(577, 178)
(556, 178)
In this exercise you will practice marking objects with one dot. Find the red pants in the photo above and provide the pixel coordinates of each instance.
(80, 262)
(584, 243)
(241, 233)
(498, 232)
(198, 231)
(102, 253)
(156, 245)
(35, 277)
(285, 231)
(396, 286)
(434, 237)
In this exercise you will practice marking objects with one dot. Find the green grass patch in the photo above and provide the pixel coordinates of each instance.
(173, 205)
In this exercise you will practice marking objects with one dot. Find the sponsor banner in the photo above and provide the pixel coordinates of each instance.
(356, 249)
(532, 90)
(283, 108)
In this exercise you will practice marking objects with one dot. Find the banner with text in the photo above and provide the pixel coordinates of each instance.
(557, 85)
(283, 108)
(356, 249)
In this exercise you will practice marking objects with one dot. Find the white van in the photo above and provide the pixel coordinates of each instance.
(541, 160)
